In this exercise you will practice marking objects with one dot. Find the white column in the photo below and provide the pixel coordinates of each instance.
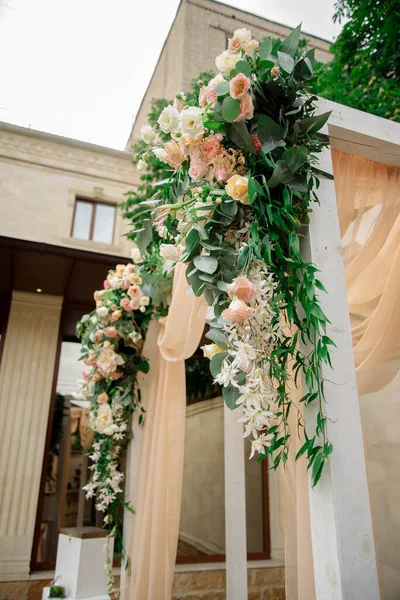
(235, 507)
(276, 513)
(341, 527)
(26, 379)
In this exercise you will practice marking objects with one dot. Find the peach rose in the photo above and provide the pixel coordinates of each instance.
(234, 44)
(110, 332)
(103, 398)
(237, 188)
(136, 280)
(237, 312)
(98, 336)
(239, 86)
(120, 270)
(116, 315)
(246, 108)
(242, 288)
(207, 95)
(174, 155)
(134, 291)
(251, 46)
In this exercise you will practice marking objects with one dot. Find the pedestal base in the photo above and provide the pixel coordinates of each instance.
(46, 593)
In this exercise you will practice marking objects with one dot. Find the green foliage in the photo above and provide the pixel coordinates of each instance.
(365, 70)
(57, 591)
(282, 185)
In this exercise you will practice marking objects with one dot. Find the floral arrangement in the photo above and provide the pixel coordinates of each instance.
(112, 341)
(243, 176)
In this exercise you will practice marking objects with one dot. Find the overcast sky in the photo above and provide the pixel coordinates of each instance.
(79, 68)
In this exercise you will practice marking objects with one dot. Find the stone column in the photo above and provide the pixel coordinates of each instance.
(26, 378)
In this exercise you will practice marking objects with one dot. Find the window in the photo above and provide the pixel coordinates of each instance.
(93, 221)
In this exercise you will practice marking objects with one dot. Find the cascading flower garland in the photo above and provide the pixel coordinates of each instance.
(112, 340)
(243, 177)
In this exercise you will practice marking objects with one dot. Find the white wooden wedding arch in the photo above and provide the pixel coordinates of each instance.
(344, 558)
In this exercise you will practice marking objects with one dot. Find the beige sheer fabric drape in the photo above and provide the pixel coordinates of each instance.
(368, 197)
(154, 537)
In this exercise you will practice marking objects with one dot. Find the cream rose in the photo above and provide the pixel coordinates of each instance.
(148, 134)
(210, 350)
(102, 311)
(136, 256)
(169, 252)
(104, 418)
(191, 122)
(237, 188)
(169, 119)
(108, 361)
(242, 34)
(226, 61)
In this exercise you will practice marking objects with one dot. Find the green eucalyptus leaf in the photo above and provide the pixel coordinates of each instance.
(145, 236)
(243, 257)
(239, 134)
(206, 264)
(230, 394)
(286, 62)
(243, 67)
(268, 129)
(291, 43)
(265, 49)
(313, 124)
(230, 109)
(216, 363)
(222, 88)
(218, 337)
(229, 209)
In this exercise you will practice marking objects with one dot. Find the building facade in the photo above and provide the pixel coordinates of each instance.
(60, 232)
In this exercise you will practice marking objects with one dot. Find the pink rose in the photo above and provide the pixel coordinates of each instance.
(246, 108)
(106, 284)
(207, 95)
(103, 398)
(221, 174)
(239, 86)
(110, 332)
(198, 169)
(125, 304)
(237, 312)
(174, 155)
(134, 304)
(98, 336)
(242, 288)
(86, 376)
(211, 147)
(134, 291)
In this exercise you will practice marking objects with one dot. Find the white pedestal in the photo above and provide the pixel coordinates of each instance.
(80, 563)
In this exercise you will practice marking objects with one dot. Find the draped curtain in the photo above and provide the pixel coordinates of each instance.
(368, 200)
(155, 529)
(368, 197)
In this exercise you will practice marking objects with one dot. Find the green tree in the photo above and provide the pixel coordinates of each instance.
(365, 70)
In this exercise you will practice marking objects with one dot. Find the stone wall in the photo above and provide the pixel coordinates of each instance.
(264, 584)
(40, 177)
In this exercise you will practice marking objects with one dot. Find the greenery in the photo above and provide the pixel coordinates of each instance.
(282, 182)
(365, 70)
(57, 591)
